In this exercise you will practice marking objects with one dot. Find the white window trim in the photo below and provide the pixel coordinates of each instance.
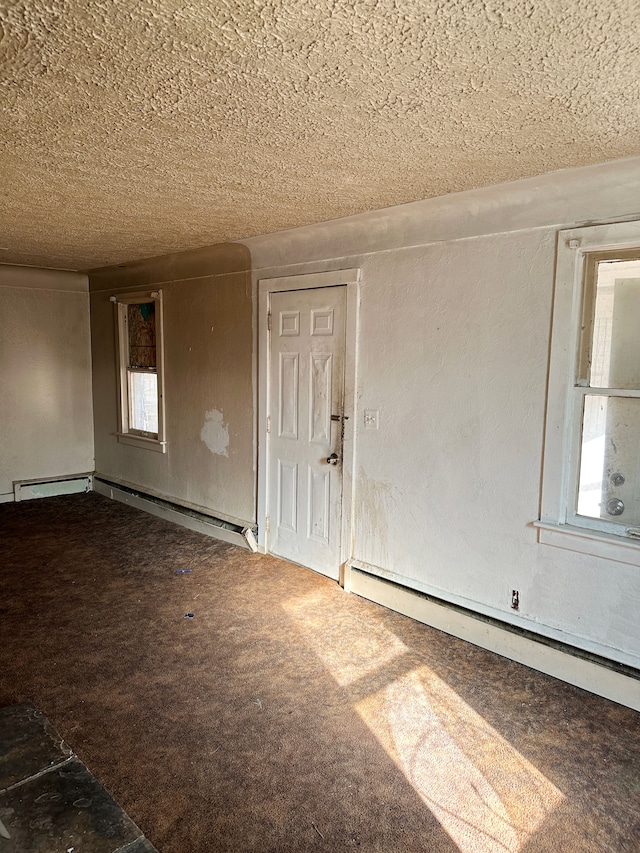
(557, 524)
(125, 434)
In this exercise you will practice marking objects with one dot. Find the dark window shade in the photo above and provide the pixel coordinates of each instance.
(141, 321)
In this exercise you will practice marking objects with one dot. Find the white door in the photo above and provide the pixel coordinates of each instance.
(305, 427)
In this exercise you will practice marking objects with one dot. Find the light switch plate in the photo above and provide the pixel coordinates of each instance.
(371, 418)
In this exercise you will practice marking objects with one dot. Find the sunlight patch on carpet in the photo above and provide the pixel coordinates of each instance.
(351, 647)
(486, 795)
(482, 791)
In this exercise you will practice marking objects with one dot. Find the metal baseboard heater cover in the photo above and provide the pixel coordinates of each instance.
(48, 487)
(236, 534)
(603, 676)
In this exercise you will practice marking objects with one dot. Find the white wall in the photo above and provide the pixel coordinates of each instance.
(453, 350)
(46, 423)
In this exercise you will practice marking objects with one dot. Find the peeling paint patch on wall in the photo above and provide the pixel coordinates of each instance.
(215, 433)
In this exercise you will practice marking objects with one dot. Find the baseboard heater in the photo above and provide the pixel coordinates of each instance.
(603, 676)
(245, 537)
(48, 487)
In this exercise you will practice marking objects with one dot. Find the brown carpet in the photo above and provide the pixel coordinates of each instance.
(287, 715)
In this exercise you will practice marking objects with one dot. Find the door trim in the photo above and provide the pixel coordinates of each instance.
(266, 286)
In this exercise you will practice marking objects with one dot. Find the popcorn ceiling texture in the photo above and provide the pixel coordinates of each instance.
(132, 129)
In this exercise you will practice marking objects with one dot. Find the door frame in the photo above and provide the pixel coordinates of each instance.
(350, 278)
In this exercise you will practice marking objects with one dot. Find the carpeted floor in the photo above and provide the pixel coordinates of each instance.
(287, 715)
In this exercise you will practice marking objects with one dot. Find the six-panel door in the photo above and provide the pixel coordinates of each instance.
(305, 410)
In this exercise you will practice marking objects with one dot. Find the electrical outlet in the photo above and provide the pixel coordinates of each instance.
(515, 599)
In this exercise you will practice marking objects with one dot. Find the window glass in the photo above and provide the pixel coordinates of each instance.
(143, 401)
(615, 342)
(609, 486)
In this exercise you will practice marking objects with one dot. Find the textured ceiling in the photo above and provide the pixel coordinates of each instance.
(134, 128)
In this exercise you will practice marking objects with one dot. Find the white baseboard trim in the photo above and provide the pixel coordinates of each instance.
(176, 514)
(584, 673)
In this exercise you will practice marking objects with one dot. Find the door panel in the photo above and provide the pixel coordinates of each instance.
(288, 398)
(320, 399)
(319, 506)
(287, 496)
(305, 409)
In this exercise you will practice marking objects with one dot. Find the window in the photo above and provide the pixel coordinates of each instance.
(140, 351)
(591, 479)
(608, 395)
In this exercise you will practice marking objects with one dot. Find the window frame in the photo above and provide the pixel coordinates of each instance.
(126, 434)
(578, 252)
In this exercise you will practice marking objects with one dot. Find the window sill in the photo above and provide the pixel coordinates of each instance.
(592, 542)
(142, 441)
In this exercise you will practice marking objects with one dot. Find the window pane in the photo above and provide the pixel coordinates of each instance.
(141, 322)
(143, 401)
(609, 483)
(615, 345)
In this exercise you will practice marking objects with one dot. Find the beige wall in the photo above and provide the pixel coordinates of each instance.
(208, 333)
(45, 375)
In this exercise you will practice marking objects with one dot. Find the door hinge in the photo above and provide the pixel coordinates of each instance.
(269, 321)
(268, 424)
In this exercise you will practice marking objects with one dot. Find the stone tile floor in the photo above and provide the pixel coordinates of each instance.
(49, 801)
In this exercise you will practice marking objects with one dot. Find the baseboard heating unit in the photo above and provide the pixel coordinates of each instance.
(48, 487)
(612, 679)
(237, 534)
